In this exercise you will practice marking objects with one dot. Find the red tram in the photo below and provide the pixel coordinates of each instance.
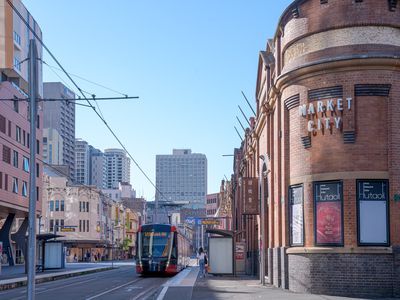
(161, 248)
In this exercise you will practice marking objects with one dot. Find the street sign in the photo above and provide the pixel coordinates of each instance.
(68, 229)
(210, 222)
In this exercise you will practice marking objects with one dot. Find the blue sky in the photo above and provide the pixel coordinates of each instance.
(187, 61)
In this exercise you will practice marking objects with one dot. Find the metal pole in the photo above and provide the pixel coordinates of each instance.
(112, 247)
(202, 236)
(33, 84)
(262, 220)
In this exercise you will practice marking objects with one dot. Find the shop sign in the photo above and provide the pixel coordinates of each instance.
(325, 115)
(250, 196)
(209, 222)
(67, 229)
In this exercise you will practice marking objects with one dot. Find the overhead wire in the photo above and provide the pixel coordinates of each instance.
(91, 94)
(80, 90)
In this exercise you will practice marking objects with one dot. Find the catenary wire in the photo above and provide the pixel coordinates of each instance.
(80, 90)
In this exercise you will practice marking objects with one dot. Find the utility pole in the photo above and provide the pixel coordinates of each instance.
(33, 92)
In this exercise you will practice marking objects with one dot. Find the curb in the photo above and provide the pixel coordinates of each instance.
(15, 283)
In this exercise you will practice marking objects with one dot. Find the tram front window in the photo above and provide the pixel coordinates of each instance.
(155, 244)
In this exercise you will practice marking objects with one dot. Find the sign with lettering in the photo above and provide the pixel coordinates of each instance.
(328, 213)
(68, 229)
(239, 251)
(210, 222)
(373, 199)
(156, 233)
(324, 116)
(250, 196)
(296, 215)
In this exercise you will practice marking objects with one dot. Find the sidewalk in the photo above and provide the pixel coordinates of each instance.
(12, 277)
(241, 288)
(180, 286)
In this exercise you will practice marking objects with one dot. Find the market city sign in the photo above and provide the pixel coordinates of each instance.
(325, 115)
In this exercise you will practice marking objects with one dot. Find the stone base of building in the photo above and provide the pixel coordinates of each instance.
(345, 274)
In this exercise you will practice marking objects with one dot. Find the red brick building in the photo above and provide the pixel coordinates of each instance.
(324, 149)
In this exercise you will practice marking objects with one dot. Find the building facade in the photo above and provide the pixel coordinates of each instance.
(212, 204)
(322, 152)
(82, 162)
(98, 170)
(53, 147)
(93, 226)
(118, 167)
(182, 176)
(60, 116)
(15, 134)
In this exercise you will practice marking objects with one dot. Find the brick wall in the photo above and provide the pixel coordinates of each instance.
(361, 275)
(276, 267)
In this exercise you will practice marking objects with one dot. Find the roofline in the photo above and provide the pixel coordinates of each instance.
(285, 12)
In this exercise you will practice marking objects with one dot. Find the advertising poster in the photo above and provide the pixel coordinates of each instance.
(329, 223)
(296, 215)
(328, 199)
(373, 211)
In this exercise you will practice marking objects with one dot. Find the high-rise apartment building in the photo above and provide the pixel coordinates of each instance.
(82, 162)
(98, 168)
(182, 176)
(15, 145)
(118, 167)
(60, 115)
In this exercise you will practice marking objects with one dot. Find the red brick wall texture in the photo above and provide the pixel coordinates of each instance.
(342, 43)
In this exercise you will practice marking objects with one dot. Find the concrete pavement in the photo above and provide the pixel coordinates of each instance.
(241, 288)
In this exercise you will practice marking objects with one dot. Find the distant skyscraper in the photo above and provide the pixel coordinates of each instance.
(82, 162)
(52, 147)
(182, 176)
(118, 167)
(98, 170)
(60, 115)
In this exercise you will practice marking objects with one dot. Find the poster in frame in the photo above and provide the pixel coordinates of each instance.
(373, 212)
(296, 215)
(328, 213)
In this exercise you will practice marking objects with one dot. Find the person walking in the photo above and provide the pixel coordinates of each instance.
(201, 257)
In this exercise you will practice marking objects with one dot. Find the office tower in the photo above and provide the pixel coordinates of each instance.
(182, 176)
(60, 115)
(98, 170)
(52, 147)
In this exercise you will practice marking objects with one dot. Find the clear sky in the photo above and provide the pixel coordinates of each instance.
(187, 61)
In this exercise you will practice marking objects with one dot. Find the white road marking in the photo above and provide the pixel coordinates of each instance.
(52, 289)
(117, 287)
(144, 292)
(162, 294)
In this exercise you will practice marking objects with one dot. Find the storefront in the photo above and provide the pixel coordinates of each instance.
(327, 132)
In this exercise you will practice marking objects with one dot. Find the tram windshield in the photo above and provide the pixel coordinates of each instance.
(156, 244)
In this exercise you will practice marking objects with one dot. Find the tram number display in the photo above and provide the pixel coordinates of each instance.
(328, 210)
